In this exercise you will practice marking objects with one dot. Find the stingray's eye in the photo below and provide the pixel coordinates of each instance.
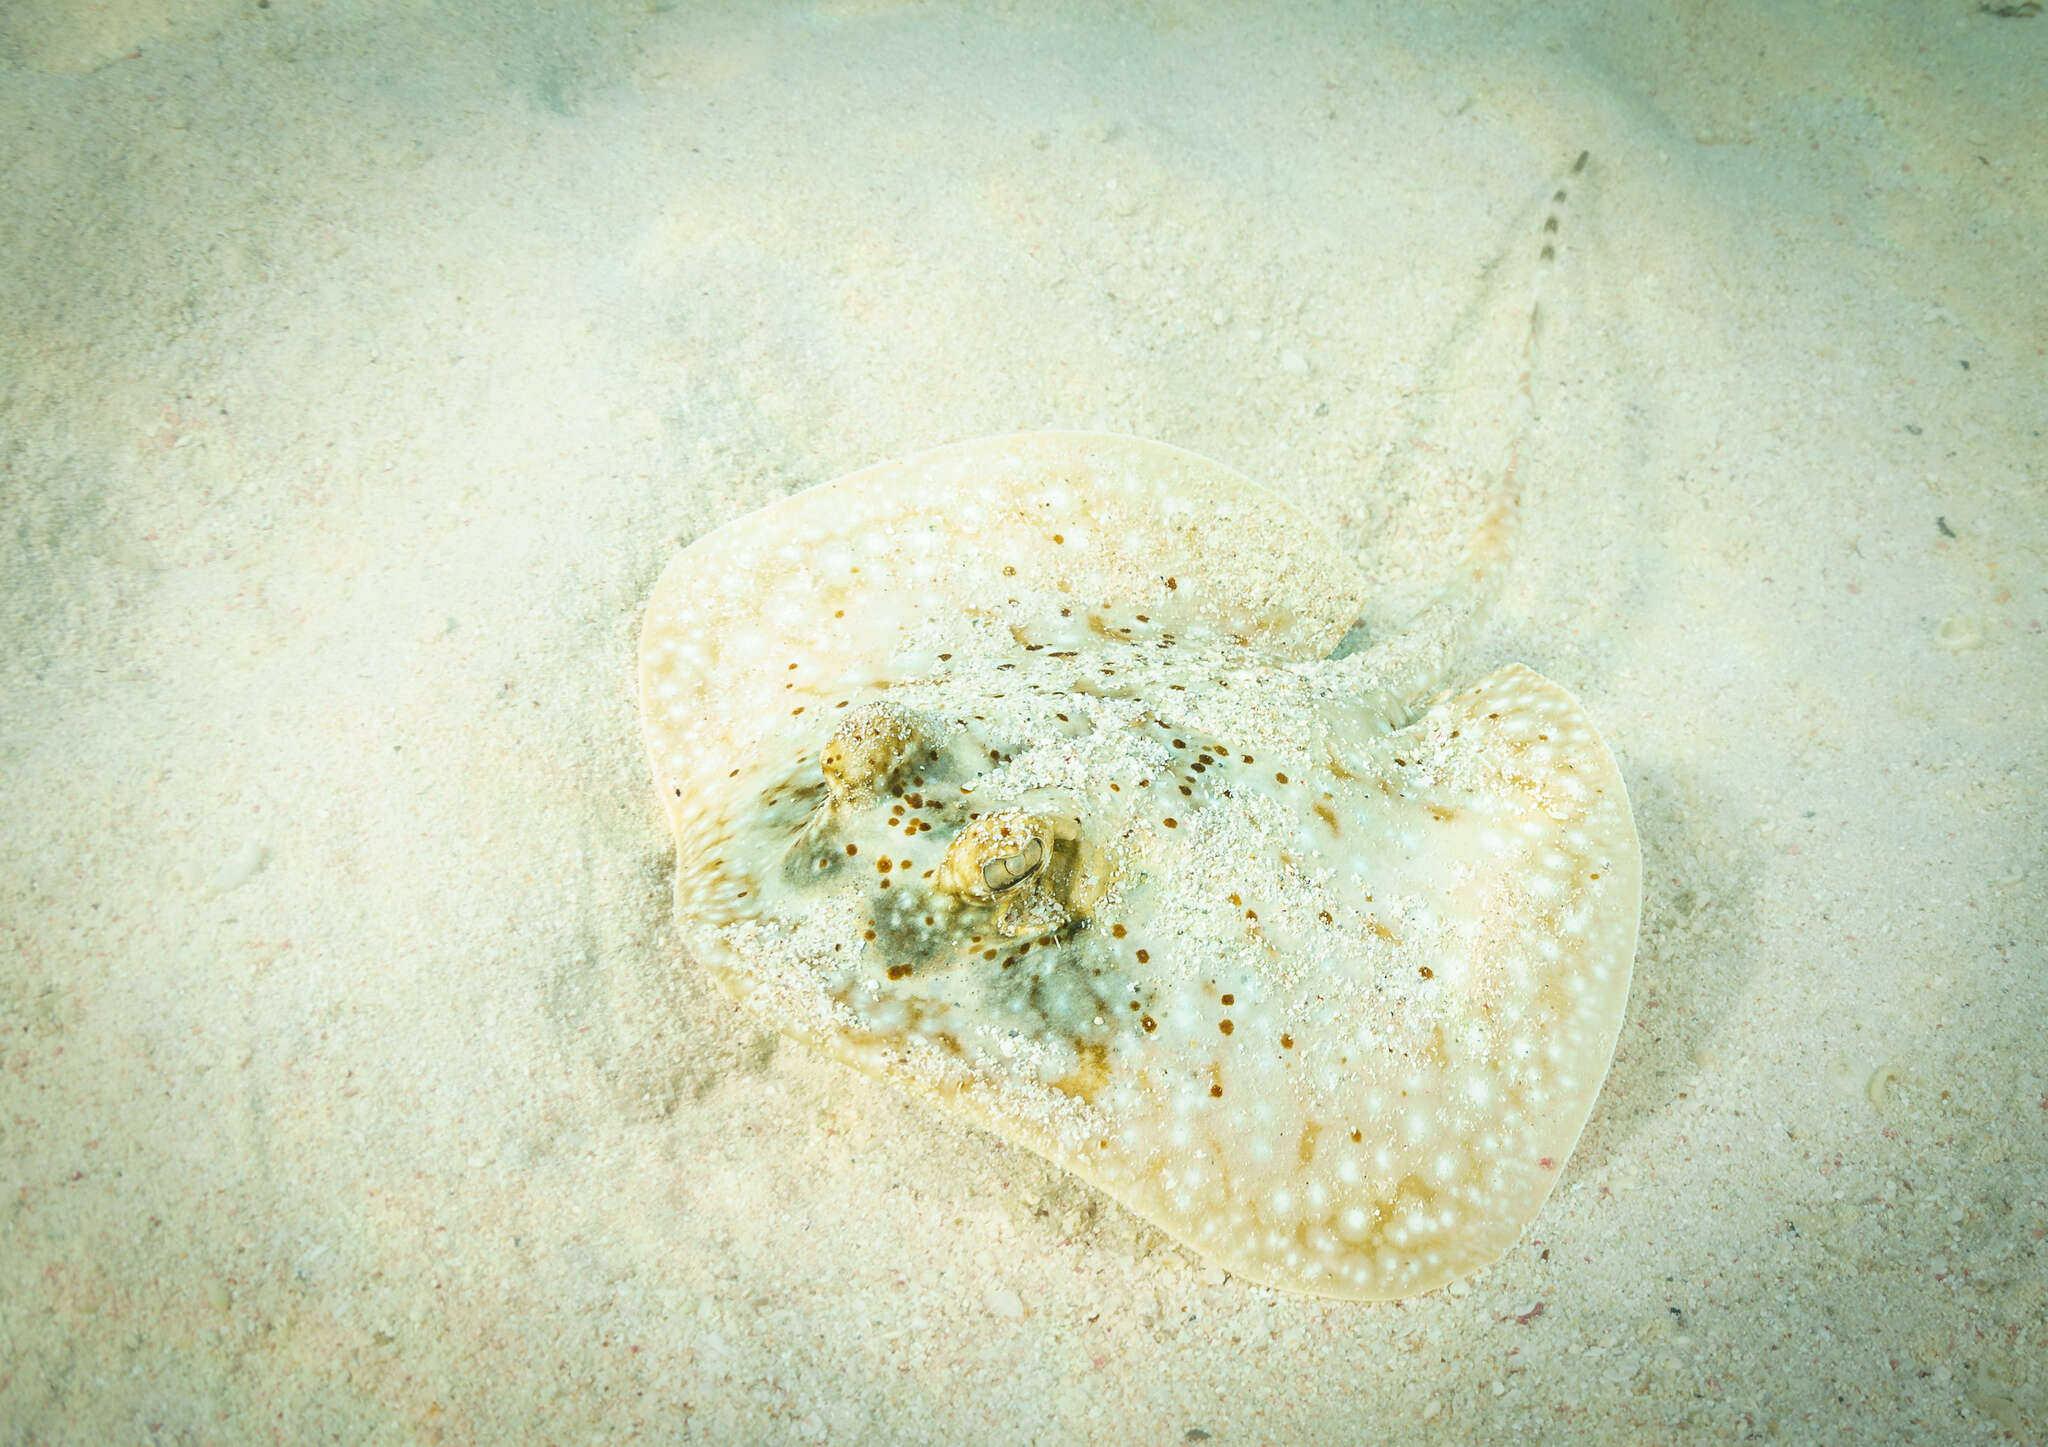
(1010, 870)
(866, 750)
(1001, 852)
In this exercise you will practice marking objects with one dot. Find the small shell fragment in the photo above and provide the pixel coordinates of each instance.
(1959, 633)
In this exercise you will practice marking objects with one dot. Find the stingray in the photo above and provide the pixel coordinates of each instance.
(1027, 774)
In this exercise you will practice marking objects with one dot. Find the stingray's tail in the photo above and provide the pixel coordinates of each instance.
(1485, 417)
(1486, 551)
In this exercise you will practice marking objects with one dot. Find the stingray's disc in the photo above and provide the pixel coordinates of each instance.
(1013, 773)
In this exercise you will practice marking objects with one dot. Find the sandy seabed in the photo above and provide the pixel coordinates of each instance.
(364, 362)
